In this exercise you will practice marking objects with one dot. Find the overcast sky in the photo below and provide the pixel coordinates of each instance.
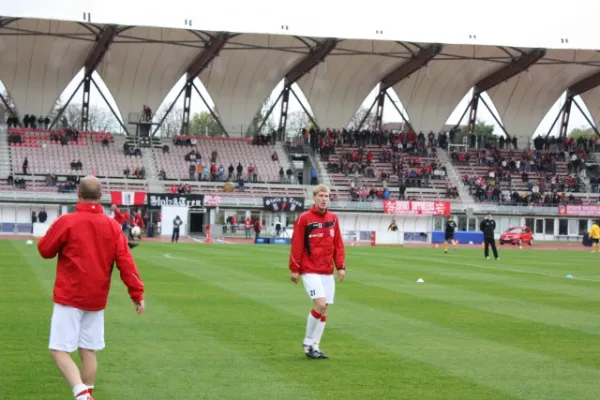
(532, 23)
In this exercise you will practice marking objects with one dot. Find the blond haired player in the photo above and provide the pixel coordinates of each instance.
(316, 246)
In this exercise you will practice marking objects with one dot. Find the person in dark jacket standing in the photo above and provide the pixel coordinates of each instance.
(317, 245)
(177, 222)
(88, 243)
(488, 226)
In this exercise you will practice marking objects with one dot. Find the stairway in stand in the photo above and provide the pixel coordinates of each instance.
(284, 160)
(468, 202)
(5, 158)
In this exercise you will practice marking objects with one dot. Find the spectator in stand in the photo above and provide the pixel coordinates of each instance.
(313, 176)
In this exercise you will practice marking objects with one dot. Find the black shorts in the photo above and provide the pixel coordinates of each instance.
(449, 236)
(595, 240)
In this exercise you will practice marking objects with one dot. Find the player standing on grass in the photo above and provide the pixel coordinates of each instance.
(449, 234)
(488, 226)
(87, 243)
(317, 244)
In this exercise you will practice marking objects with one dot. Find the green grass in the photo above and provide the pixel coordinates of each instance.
(225, 322)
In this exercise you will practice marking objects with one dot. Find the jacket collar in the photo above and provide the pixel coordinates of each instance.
(314, 210)
(89, 207)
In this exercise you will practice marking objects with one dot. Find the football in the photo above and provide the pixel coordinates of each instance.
(136, 231)
(29, 242)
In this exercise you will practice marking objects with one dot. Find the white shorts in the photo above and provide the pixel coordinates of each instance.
(318, 286)
(72, 328)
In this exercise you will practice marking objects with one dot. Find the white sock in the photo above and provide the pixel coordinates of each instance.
(318, 333)
(77, 389)
(311, 325)
(90, 388)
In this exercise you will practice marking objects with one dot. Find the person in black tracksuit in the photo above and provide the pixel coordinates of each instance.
(177, 222)
(488, 226)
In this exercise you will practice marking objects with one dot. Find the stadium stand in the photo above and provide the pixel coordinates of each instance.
(62, 185)
(362, 165)
(54, 151)
(512, 176)
(229, 190)
(226, 152)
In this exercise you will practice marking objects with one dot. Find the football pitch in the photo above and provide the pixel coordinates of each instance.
(225, 322)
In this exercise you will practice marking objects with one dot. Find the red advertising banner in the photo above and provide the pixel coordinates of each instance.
(425, 208)
(128, 198)
(581, 210)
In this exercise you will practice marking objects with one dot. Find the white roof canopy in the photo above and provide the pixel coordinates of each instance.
(141, 65)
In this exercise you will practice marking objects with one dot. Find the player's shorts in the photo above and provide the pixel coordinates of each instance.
(449, 236)
(595, 240)
(72, 328)
(318, 286)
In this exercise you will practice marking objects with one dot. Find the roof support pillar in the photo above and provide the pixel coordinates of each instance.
(301, 68)
(85, 104)
(285, 99)
(187, 103)
(473, 114)
(565, 117)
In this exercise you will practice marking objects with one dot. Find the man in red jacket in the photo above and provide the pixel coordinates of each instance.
(87, 243)
(316, 241)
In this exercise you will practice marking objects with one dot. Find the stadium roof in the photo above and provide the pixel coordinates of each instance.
(140, 65)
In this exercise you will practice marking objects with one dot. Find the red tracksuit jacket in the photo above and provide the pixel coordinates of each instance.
(88, 243)
(316, 241)
(120, 217)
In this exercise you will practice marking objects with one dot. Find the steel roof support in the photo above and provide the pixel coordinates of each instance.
(315, 56)
(211, 50)
(576, 89)
(515, 67)
(407, 68)
(203, 60)
(403, 71)
(587, 118)
(584, 85)
(103, 41)
(312, 59)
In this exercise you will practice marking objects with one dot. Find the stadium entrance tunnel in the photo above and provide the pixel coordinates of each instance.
(196, 221)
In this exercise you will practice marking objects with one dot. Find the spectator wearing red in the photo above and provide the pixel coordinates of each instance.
(87, 243)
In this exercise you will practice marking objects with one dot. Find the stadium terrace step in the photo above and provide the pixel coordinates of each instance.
(5, 158)
(455, 178)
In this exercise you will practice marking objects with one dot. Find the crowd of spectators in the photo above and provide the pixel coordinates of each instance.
(211, 170)
(536, 169)
(405, 156)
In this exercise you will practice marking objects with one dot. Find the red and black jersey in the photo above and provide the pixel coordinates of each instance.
(317, 243)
